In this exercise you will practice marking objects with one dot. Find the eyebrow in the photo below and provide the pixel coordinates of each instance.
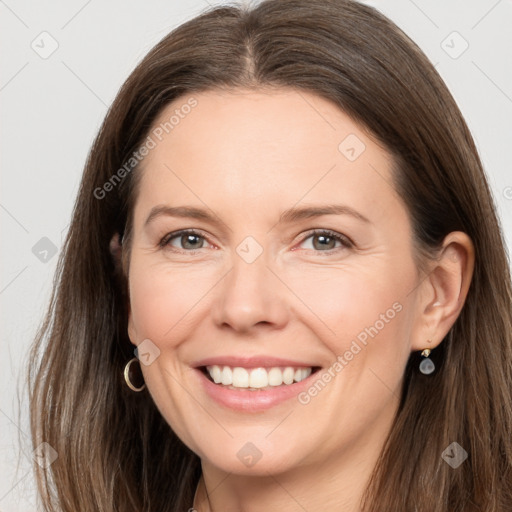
(287, 217)
(179, 211)
(307, 212)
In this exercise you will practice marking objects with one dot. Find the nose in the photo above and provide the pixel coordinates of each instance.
(250, 297)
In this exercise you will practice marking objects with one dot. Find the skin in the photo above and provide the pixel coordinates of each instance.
(247, 156)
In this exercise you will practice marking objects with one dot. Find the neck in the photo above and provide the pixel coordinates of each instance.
(338, 483)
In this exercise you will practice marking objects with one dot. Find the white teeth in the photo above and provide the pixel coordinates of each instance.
(240, 377)
(257, 378)
(227, 376)
(216, 374)
(275, 377)
(288, 375)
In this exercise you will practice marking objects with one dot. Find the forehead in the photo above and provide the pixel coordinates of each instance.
(283, 120)
(242, 147)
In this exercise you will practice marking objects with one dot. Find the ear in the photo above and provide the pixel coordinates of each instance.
(442, 294)
(116, 250)
(131, 329)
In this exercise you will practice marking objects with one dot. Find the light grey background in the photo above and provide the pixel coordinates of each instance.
(52, 107)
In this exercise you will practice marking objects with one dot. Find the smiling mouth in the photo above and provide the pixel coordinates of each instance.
(256, 379)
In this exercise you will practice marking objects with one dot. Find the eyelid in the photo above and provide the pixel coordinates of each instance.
(343, 239)
(164, 242)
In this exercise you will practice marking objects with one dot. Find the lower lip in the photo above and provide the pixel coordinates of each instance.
(252, 401)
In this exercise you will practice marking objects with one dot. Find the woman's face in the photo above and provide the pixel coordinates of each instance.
(300, 260)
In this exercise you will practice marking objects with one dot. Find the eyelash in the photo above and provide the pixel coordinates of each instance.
(346, 243)
(170, 236)
(344, 240)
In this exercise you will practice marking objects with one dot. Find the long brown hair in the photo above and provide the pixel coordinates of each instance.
(115, 451)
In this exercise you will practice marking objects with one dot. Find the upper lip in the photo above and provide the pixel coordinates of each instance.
(251, 362)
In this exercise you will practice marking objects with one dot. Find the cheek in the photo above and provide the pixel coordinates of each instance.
(347, 300)
(162, 295)
(360, 313)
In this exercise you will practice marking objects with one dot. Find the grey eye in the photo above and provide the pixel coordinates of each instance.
(189, 241)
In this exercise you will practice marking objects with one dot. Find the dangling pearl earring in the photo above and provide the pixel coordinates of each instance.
(426, 365)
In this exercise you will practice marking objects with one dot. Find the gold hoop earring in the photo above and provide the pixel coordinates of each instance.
(128, 379)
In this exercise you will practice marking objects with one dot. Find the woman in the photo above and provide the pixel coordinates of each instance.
(284, 284)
